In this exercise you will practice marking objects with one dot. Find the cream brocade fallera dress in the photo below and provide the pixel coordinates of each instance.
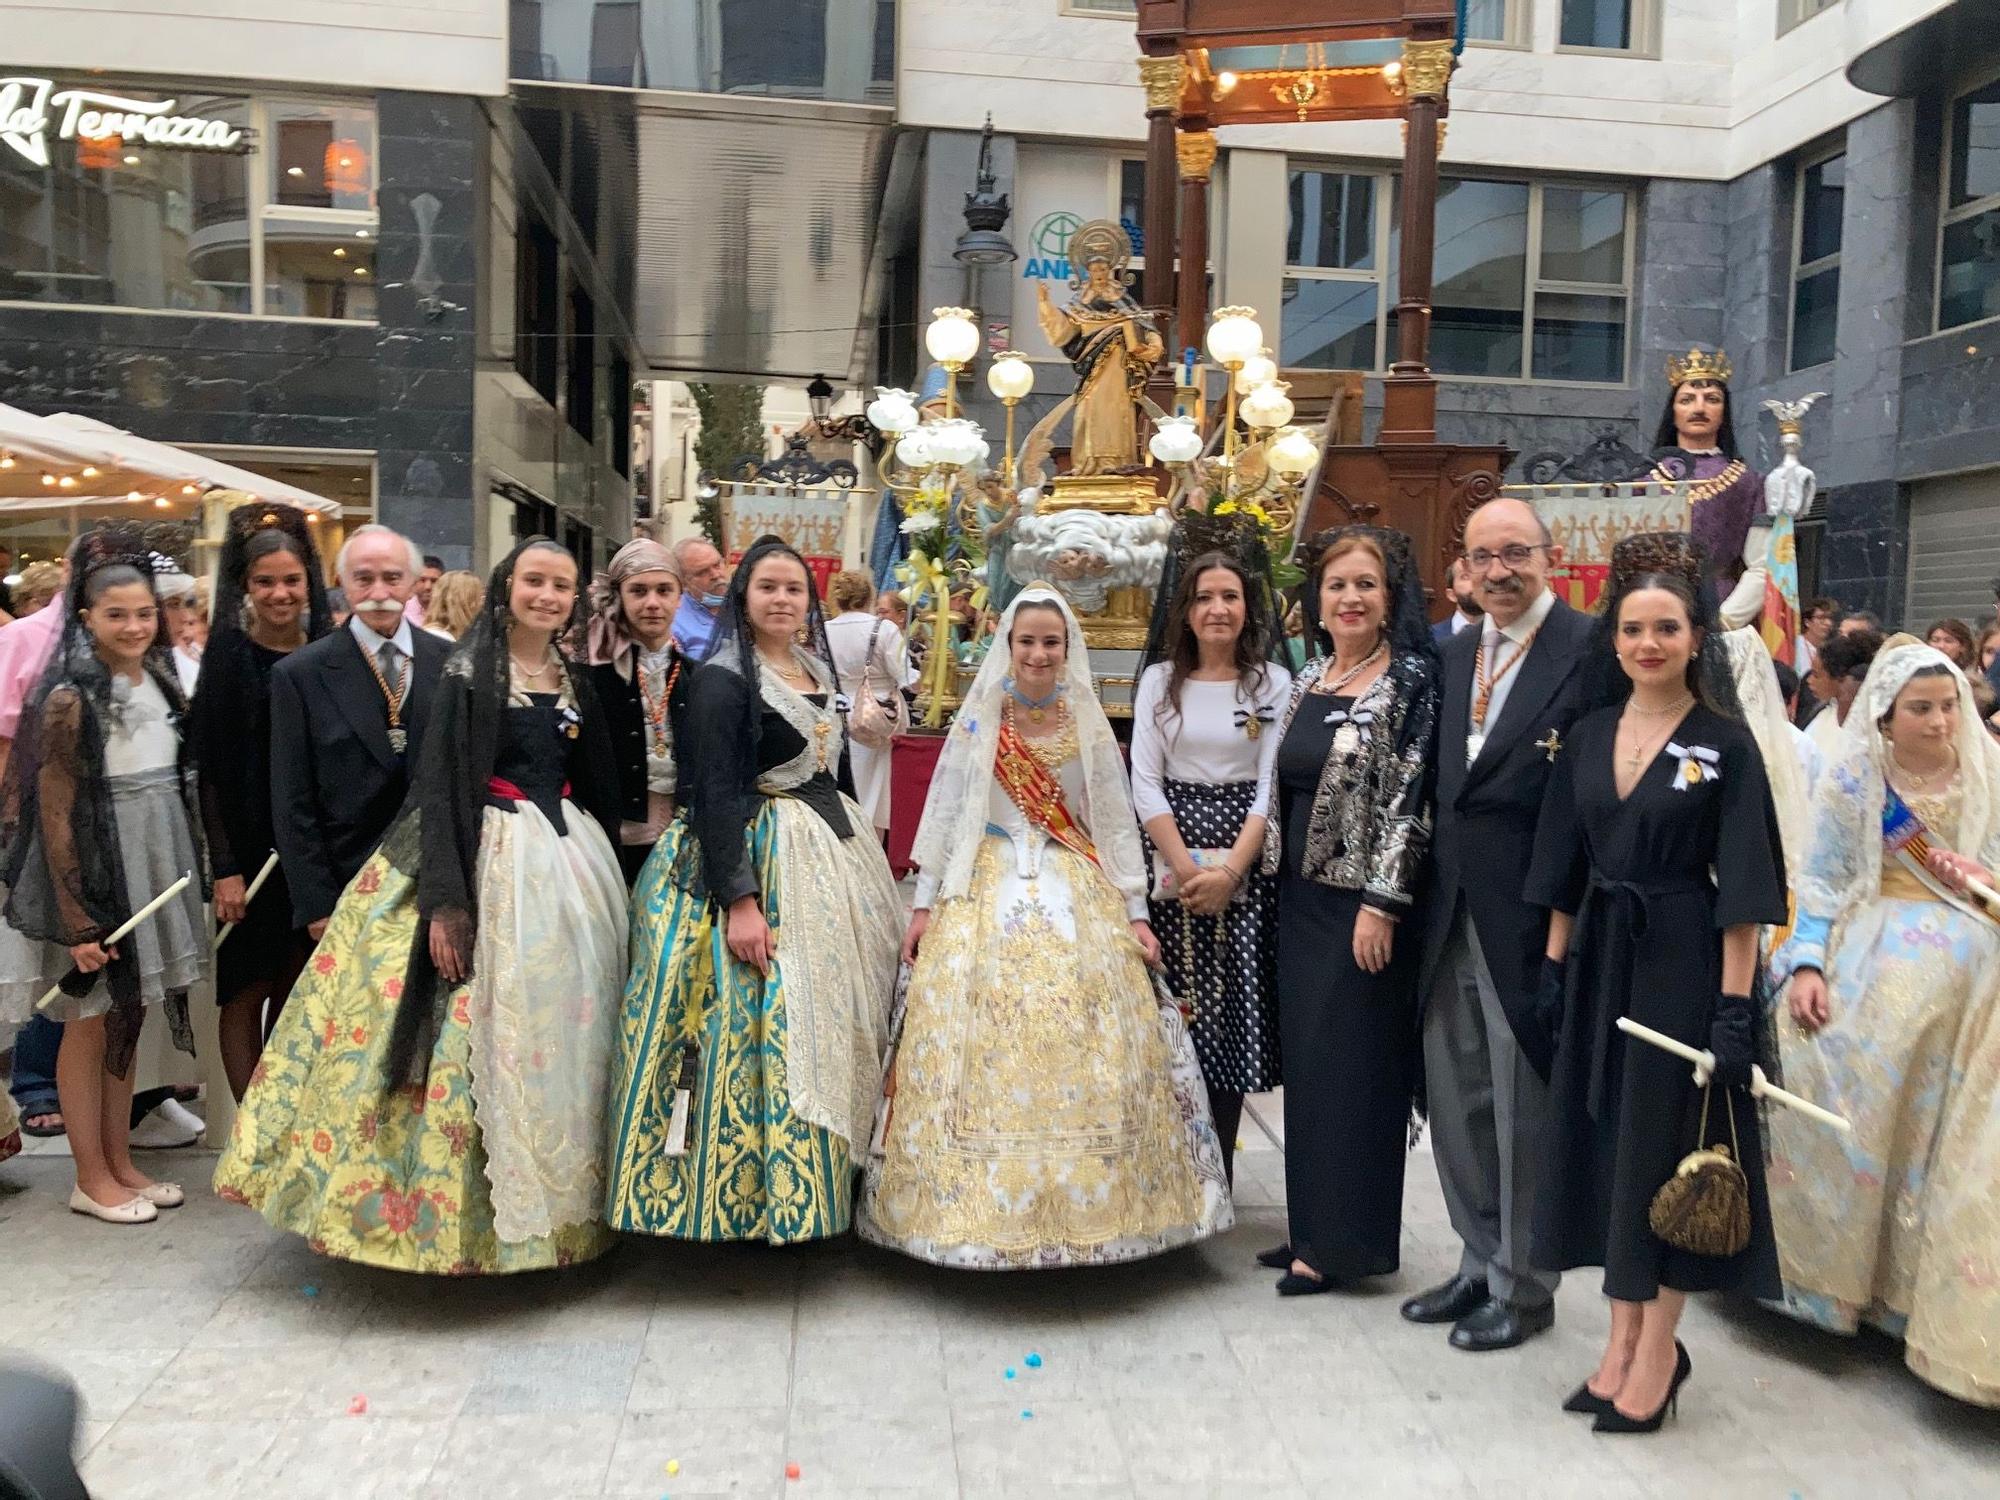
(1898, 1224)
(1043, 1107)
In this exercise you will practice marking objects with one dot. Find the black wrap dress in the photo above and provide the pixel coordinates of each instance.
(1653, 881)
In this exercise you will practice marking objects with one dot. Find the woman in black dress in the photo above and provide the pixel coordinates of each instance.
(1658, 856)
(642, 682)
(1354, 803)
(270, 600)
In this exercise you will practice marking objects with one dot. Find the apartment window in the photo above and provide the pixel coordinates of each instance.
(1816, 259)
(615, 58)
(1609, 25)
(580, 407)
(1332, 310)
(537, 317)
(1100, 7)
(1530, 280)
(288, 230)
(1132, 203)
(1791, 12)
(1969, 233)
(1504, 22)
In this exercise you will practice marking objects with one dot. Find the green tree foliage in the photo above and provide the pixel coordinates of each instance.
(732, 425)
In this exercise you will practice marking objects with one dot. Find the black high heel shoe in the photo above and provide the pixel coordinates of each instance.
(1613, 1420)
(1279, 1258)
(1585, 1402)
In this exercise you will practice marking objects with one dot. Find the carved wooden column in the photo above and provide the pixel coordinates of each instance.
(1196, 150)
(1409, 393)
(1162, 77)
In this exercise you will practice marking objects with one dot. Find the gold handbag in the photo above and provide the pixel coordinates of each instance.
(1704, 1208)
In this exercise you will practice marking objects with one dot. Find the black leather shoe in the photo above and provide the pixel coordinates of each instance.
(1278, 1257)
(1447, 1303)
(1501, 1325)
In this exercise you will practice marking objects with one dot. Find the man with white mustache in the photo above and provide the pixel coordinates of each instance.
(347, 722)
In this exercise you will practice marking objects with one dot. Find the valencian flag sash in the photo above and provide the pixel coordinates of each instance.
(1037, 792)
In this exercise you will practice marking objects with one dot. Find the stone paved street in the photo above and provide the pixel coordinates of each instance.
(219, 1358)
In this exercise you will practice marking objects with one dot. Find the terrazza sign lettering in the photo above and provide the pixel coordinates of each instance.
(31, 111)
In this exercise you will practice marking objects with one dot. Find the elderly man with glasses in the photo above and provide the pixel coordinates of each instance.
(1512, 686)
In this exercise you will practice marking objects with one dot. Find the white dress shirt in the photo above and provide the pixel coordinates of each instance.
(1460, 619)
(370, 640)
(1497, 646)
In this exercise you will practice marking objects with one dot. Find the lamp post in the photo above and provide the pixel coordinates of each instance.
(819, 397)
(1010, 378)
(1234, 339)
(952, 339)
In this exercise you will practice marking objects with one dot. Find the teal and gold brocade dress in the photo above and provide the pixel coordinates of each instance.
(780, 1071)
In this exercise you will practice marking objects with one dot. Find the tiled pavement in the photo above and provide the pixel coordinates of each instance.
(219, 1358)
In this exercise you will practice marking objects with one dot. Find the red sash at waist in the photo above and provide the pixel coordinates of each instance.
(500, 786)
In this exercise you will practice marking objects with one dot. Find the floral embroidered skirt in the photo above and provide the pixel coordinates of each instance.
(1898, 1224)
(1044, 1108)
(755, 1166)
(495, 1164)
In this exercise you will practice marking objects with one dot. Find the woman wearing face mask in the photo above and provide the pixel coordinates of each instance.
(1043, 1106)
(1353, 830)
(433, 1098)
(764, 948)
(1658, 857)
(1204, 736)
(102, 818)
(1895, 1007)
(642, 680)
(272, 601)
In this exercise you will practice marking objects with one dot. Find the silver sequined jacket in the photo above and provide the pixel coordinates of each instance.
(1370, 827)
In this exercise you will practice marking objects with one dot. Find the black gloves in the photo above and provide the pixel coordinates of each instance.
(1548, 1014)
(1732, 1037)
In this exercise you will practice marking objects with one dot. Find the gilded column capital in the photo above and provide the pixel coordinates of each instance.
(1196, 150)
(1163, 78)
(1426, 67)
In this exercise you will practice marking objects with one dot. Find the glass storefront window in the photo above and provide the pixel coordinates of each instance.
(1478, 296)
(122, 223)
(1328, 325)
(322, 156)
(117, 223)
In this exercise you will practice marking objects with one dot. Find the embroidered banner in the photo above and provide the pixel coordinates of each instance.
(1588, 520)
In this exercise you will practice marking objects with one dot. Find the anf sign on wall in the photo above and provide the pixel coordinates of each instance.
(30, 109)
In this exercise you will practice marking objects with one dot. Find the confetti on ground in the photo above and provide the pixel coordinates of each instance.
(1033, 1361)
(673, 1466)
(1010, 1372)
(358, 1406)
(791, 1471)
(1026, 1415)
(309, 1290)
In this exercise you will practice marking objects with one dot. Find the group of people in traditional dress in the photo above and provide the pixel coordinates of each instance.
(580, 930)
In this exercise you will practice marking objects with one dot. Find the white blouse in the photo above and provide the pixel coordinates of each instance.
(1208, 740)
(141, 734)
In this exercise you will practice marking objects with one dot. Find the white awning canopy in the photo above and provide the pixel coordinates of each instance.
(52, 463)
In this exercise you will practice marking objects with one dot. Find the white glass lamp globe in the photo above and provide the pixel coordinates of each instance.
(1292, 452)
(952, 338)
(914, 448)
(1258, 369)
(893, 411)
(1011, 377)
(1234, 337)
(954, 441)
(1175, 441)
(1267, 406)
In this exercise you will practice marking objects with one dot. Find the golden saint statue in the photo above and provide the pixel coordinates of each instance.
(1111, 344)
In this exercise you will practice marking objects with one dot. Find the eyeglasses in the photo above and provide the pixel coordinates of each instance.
(1515, 555)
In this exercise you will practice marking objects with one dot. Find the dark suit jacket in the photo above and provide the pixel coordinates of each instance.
(1441, 633)
(335, 781)
(1486, 812)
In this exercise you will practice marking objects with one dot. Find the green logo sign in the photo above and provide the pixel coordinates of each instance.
(1048, 246)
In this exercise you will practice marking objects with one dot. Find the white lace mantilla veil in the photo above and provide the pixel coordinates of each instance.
(1845, 866)
(1764, 712)
(954, 820)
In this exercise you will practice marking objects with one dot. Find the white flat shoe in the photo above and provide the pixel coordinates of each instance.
(136, 1210)
(163, 1194)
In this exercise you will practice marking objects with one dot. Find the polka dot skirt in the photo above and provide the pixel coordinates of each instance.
(1226, 966)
